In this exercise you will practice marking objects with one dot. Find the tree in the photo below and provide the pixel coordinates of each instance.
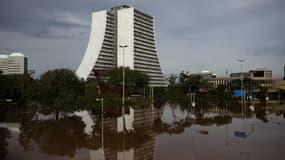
(5, 134)
(59, 90)
(54, 137)
(18, 88)
(135, 81)
(172, 79)
(183, 76)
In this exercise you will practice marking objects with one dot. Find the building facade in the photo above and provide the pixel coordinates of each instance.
(122, 36)
(15, 63)
(261, 72)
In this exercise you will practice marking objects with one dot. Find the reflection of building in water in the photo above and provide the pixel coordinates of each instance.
(145, 118)
(134, 133)
(15, 127)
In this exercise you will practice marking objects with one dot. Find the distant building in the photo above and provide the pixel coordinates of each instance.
(122, 36)
(261, 72)
(204, 74)
(15, 63)
(271, 84)
(239, 74)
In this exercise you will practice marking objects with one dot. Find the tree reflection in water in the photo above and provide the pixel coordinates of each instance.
(4, 135)
(67, 136)
(55, 137)
(179, 126)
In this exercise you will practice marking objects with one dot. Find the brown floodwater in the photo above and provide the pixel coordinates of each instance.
(170, 133)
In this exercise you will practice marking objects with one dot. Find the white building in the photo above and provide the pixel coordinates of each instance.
(15, 63)
(121, 26)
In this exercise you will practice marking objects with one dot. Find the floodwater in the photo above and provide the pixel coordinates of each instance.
(172, 132)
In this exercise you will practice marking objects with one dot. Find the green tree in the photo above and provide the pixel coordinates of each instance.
(59, 90)
(183, 77)
(172, 80)
(88, 101)
(18, 88)
(135, 81)
(5, 134)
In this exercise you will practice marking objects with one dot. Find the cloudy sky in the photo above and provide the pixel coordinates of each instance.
(191, 35)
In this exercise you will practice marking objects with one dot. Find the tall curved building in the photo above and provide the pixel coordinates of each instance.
(121, 26)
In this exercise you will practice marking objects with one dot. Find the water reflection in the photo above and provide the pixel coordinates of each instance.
(129, 136)
(173, 132)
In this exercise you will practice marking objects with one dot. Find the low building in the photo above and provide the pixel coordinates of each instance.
(239, 74)
(271, 84)
(204, 74)
(261, 72)
(15, 63)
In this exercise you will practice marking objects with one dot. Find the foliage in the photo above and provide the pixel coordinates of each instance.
(135, 81)
(88, 101)
(4, 135)
(59, 90)
(172, 79)
(55, 137)
(17, 88)
(183, 76)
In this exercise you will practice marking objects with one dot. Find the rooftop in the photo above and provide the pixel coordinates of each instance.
(17, 54)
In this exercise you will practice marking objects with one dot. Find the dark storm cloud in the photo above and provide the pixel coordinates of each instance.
(42, 18)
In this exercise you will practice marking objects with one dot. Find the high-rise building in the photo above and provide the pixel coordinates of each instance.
(122, 36)
(15, 63)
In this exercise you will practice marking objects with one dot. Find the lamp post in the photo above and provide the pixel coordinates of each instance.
(123, 98)
(102, 128)
(241, 79)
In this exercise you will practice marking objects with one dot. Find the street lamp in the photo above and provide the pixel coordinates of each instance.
(241, 79)
(123, 98)
(102, 128)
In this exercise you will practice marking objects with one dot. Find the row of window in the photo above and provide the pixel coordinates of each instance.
(147, 67)
(142, 14)
(144, 39)
(149, 71)
(143, 17)
(143, 34)
(140, 22)
(146, 57)
(144, 45)
(143, 49)
(144, 25)
(148, 60)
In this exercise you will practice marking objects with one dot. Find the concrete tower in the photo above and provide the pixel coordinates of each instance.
(122, 25)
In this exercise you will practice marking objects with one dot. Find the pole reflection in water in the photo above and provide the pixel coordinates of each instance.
(130, 136)
(146, 133)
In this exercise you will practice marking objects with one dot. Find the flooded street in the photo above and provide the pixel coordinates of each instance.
(172, 132)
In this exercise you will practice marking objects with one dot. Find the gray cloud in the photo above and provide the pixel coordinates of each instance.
(199, 34)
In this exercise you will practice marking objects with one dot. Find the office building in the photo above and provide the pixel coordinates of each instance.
(204, 74)
(261, 72)
(122, 36)
(15, 63)
(239, 74)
